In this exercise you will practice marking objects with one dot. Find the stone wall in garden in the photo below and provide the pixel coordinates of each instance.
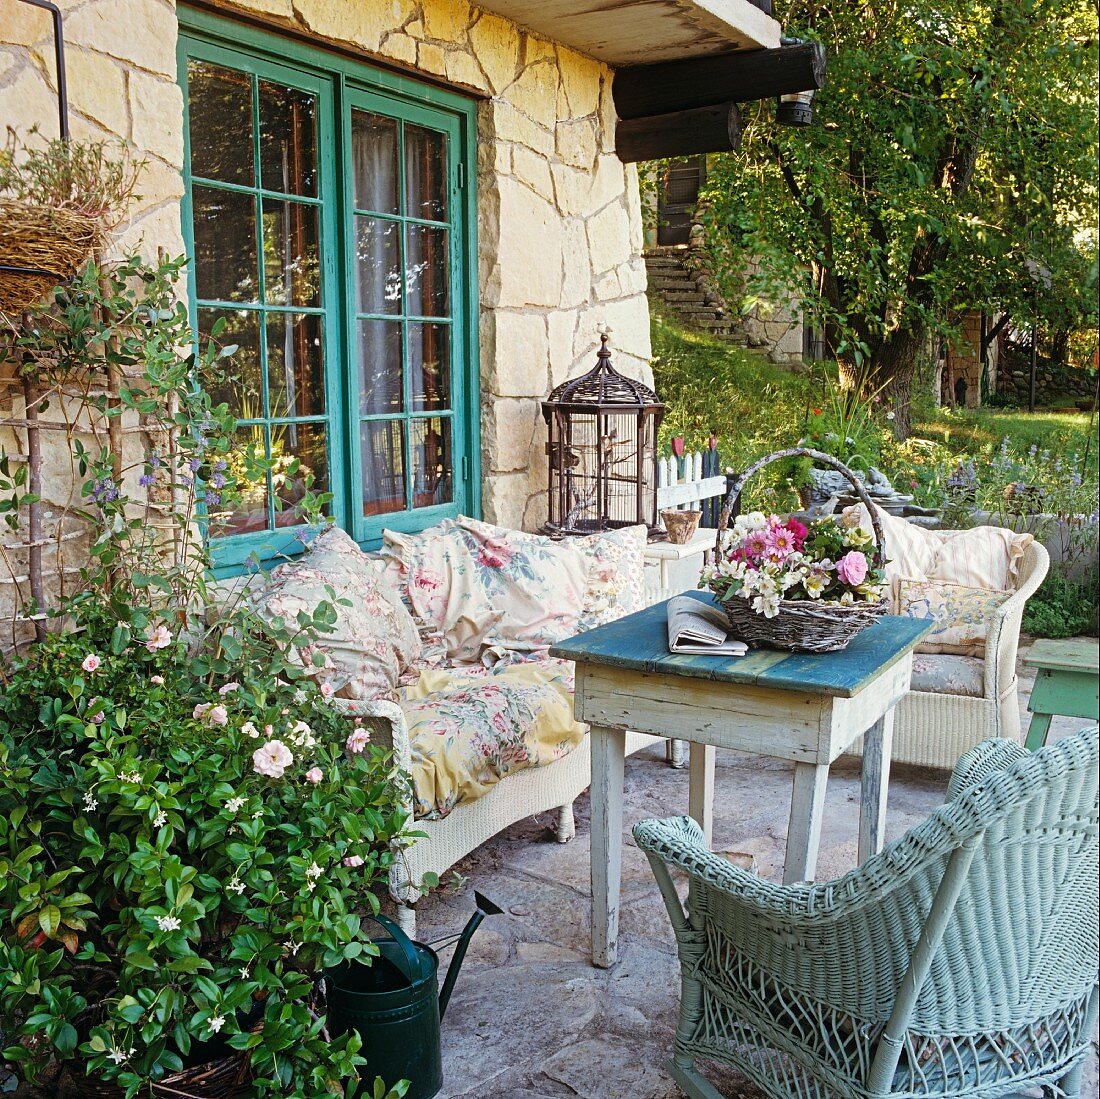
(559, 217)
(1053, 383)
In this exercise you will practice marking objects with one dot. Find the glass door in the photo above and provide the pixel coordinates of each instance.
(404, 209)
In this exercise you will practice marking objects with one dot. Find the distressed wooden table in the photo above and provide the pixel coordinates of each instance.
(1067, 683)
(805, 708)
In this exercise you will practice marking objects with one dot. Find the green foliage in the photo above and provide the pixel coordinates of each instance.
(952, 142)
(1063, 607)
(187, 833)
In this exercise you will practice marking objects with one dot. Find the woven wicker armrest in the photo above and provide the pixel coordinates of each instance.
(986, 758)
(386, 724)
(1003, 623)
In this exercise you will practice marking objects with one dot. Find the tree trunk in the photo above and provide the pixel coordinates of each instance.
(890, 372)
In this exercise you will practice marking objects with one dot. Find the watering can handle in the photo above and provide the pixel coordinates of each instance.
(404, 944)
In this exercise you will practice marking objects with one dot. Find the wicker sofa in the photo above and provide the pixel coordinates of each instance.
(439, 652)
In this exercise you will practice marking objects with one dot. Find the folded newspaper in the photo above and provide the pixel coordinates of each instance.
(700, 629)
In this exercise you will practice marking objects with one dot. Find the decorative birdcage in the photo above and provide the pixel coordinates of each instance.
(602, 451)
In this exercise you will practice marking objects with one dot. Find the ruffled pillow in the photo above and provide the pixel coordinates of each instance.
(960, 614)
(374, 638)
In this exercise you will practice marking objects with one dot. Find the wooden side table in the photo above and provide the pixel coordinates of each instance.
(676, 567)
(1067, 683)
(803, 708)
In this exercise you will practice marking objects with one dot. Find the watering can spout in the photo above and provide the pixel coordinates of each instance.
(485, 907)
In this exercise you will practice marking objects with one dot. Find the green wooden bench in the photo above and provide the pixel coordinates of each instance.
(1067, 683)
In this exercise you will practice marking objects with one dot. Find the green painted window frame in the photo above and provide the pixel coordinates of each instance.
(342, 85)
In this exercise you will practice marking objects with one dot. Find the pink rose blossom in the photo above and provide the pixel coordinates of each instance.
(357, 741)
(327, 691)
(798, 530)
(200, 709)
(494, 555)
(157, 680)
(90, 663)
(160, 638)
(207, 711)
(314, 775)
(97, 717)
(353, 861)
(228, 688)
(852, 568)
(272, 759)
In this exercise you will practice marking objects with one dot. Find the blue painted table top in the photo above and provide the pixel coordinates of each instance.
(640, 642)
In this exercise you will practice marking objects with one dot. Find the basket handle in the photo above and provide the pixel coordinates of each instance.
(731, 506)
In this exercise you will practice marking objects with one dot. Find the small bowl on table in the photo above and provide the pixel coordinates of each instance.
(681, 525)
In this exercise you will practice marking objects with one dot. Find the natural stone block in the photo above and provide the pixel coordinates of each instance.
(608, 237)
(431, 59)
(27, 100)
(534, 92)
(97, 87)
(560, 326)
(576, 280)
(363, 25)
(447, 20)
(139, 31)
(575, 142)
(156, 108)
(495, 43)
(282, 8)
(517, 359)
(462, 68)
(530, 168)
(504, 498)
(607, 286)
(505, 123)
(581, 78)
(509, 429)
(527, 267)
(399, 47)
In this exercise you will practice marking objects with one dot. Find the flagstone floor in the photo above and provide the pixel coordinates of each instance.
(532, 1019)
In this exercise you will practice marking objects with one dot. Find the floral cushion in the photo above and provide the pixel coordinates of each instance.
(480, 587)
(469, 728)
(960, 613)
(949, 675)
(374, 638)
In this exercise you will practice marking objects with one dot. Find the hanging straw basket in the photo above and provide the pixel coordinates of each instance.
(802, 625)
(49, 244)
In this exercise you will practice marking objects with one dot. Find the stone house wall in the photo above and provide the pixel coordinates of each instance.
(560, 228)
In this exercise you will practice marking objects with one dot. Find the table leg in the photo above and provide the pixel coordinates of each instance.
(874, 785)
(608, 753)
(1037, 732)
(701, 788)
(804, 830)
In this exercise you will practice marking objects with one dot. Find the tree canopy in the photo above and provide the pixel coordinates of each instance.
(954, 141)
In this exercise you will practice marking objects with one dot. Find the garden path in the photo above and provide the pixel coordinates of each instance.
(531, 1018)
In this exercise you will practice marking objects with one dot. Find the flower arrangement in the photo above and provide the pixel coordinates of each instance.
(769, 560)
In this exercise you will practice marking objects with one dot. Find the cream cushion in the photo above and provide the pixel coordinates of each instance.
(959, 613)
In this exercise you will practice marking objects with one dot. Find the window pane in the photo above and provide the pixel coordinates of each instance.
(426, 272)
(429, 366)
(220, 114)
(431, 462)
(378, 265)
(295, 365)
(425, 173)
(288, 143)
(238, 379)
(292, 274)
(306, 442)
(225, 245)
(374, 162)
(383, 450)
(380, 388)
(249, 513)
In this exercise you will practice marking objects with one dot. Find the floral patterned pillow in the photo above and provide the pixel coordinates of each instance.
(374, 638)
(616, 575)
(960, 613)
(483, 586)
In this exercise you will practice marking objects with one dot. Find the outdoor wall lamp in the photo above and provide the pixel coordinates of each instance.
(795, 108)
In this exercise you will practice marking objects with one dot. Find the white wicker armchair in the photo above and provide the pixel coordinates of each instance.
(932, 728)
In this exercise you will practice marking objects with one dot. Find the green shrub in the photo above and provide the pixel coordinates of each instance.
(1063, 608)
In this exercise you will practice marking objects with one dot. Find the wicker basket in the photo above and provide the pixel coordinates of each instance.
(49, 244)
(802, 625)
(228, 1078)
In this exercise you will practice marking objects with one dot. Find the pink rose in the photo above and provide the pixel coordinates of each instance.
(272, 759)
(353, 861)
(160, 638)
(357, 741)
(90, 663)
(852, 568)
(157, 680)
(327, 691)
(228, 688)
(314, 775)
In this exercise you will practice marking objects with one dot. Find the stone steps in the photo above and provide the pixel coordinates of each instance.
(670, 282)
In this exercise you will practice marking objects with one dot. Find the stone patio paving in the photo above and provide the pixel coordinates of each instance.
(532, 1019)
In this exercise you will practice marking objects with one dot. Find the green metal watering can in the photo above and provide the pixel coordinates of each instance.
(396, 1006)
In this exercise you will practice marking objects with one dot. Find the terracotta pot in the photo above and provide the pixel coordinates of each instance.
(681, 525)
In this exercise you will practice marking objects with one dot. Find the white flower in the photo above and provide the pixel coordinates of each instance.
(130, 776)
(244, 973)
(216, 1023)
(767, 605)
(89, 802)
(160, 818)
(272, 759)
(313, 871)
(168, 923)
(889, 415)
(259, 813)
(250, 730)
(236, 886)
(119, 1055)
(234, 804)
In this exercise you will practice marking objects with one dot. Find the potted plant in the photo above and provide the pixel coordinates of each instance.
(189, 831)
(58, 201)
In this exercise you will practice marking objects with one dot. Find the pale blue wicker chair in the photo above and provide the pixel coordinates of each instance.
(961, 961)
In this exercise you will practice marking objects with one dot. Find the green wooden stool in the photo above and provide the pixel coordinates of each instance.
(1067, 683)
